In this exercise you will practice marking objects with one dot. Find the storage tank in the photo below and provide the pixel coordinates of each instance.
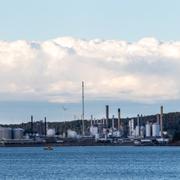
(71, 134)
(5, 133)
(18, 133)
(93, 130)
(137, 130)
(96, 136)
(148, 129)
(51, 132)
(155, 130)
(131, 127)
(142, 130)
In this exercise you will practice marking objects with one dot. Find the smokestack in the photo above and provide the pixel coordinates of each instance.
(112, 122)
(138, 120)
(107, 116)
(91, 120)
(161, 121)
(83, 133)
(45, 127)
(141, 119)
(138, 124)
(119, 118)
(32, 129)
(157, 119)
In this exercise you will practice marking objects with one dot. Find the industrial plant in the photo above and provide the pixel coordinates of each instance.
(106, 131)
(114, 130)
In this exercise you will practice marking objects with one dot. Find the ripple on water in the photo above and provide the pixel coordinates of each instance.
(71, 163)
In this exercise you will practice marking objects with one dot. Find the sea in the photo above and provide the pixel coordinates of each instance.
(90, 163)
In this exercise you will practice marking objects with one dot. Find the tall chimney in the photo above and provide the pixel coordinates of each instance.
(107, 116)
(161, 121)
(32, 129)
(138, 120)
(157, 119)
(119, 118)
(141, 119)
(83, 133)
(91, 120)
(138, 124)
(45, 126)
(112, 122)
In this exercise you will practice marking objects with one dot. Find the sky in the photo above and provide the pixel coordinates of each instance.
(127, 52)
(106, 19)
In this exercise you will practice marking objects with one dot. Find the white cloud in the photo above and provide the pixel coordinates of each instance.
(147, 70)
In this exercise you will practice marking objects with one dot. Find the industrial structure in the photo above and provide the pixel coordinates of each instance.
(112, 130)
(83, 133)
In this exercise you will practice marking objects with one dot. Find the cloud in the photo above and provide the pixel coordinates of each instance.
(147, 70)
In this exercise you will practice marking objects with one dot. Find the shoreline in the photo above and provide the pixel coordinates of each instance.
(86, 145)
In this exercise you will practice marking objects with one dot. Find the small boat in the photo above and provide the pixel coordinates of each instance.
(48, 148)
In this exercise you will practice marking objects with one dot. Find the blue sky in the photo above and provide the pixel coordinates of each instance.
(116, 19)
(26, 72)
(13, 112)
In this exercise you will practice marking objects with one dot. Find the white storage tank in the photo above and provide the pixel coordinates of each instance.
(131, 127)
(51, 132)
(5, 133)
(93, 130)
(96, 136)
(148, 129)
(71, 134)
(155, 130)
(18, 133)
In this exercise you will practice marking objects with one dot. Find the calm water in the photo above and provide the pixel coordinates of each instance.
(90, 163)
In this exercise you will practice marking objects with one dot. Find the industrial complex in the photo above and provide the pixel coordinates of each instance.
(106, 131)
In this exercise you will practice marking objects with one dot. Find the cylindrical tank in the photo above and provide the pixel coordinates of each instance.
(51, 132)
(93, 130)
(5, 133)
(131, 127)
(18, 133)
(96, 136)
(71, 134)
(155, 130)
(137, 130)
(148, 129)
